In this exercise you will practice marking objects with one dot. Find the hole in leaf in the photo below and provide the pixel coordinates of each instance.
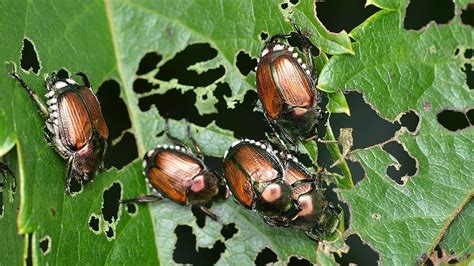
(294, 261)
(228, 231)
(245, 63)
(166, 104)
(53, 211)
(408, 164)
(63, 73)
(45, 245)
(117, 119)
(200, 216)
(294, 2)
(284, 6)
(8, 183)
(29, 58)
(110, 207)
(359, 253)
(470, 116)
(148, 63)
(468, 53)
(225, 118)
(467, 15)
(74, 186)
(115, 155)
(410, 121)
(356, 170)
(131, 208)
(94, 223)
(113, 107)
(456, 52)
(453, 120)
(178, 66)
(185, 249)
(469, 75)
(338, 15)
(420, 12)
(263, 36)
(266, 256)
(29, 252)
(363, 120)
(439, 257)
(110, 232)
(142, 86)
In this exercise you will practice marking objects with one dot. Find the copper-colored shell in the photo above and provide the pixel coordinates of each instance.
(281, 79)
(168, 171)
(95, 112)
(245, 164)
(78, 114)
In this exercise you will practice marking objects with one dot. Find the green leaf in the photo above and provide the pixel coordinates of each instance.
(344, 181)
(459, 236)
(392, 5)
(329, 42)
(107, 40)
(397, 71)
(337, 101)
(11, 244)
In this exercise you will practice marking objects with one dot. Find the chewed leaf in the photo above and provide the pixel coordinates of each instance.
(415, 70)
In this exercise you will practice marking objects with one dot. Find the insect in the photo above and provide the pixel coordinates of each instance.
(279, 188)
(74, 124)
(255, 176)
(317, 217)
(176, 173)
(287, 88)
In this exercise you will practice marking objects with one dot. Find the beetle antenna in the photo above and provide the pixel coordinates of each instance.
(31, 93)
(84, 78)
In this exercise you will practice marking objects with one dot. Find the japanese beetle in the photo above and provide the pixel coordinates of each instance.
(174, 172)
(287, 88)
(74, 126)
(279, 188)
(317, 217)
(255, 176)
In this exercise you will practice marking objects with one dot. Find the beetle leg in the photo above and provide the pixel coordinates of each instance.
(144, 199)
(278, 36)
(307, 51)
(275, 131)
(211, 215)
(49, 135)
(84, 78)
(32, 94)
(312, 235)
(173, 139)
(197, 149)
(72, 173)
